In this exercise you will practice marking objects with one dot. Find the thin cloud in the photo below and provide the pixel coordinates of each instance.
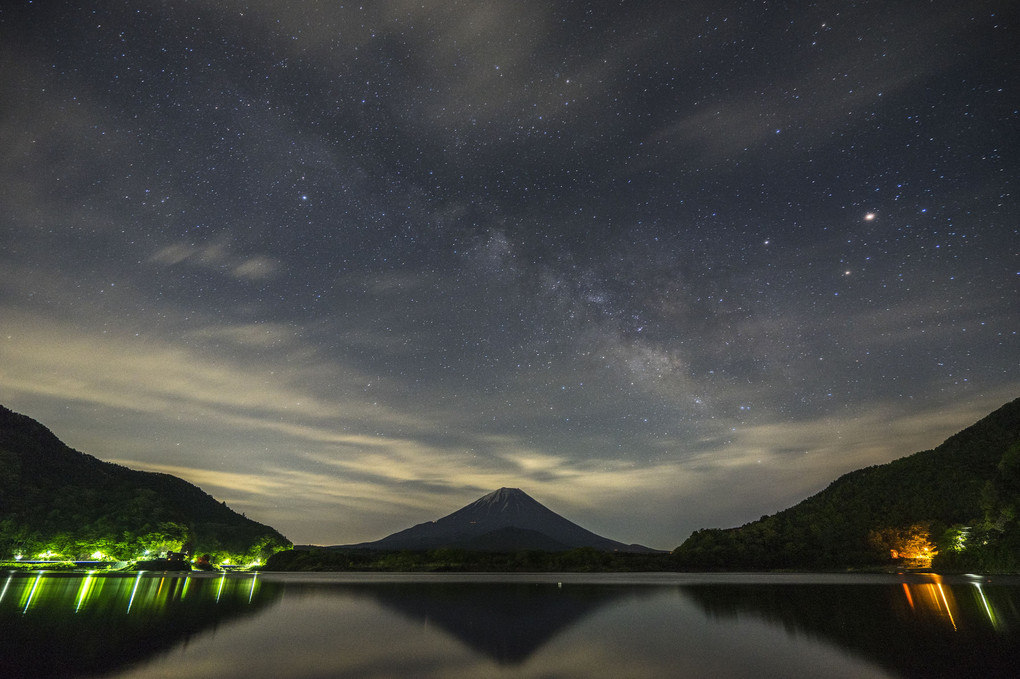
(217, 257)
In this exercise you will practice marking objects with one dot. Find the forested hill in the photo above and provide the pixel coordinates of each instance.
(58, 500)
(959, 500)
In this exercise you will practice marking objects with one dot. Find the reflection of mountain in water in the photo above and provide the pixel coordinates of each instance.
(74, 625)
(919, 630)
(505, 621)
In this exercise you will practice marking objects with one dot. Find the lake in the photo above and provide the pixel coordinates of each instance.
(149, 625)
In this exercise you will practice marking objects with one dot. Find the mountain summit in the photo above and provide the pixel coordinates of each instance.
(507, 519)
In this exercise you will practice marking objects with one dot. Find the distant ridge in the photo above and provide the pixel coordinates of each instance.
(507, 519)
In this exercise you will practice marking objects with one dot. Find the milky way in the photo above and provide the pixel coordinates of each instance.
(663, 266)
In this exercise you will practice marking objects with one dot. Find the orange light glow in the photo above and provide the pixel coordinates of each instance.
(906, 590)
(931, 600)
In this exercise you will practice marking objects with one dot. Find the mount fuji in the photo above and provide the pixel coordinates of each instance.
(507, 519)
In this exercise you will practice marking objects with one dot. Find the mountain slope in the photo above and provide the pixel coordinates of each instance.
(57, 499)
(506, 519)
(966, 487)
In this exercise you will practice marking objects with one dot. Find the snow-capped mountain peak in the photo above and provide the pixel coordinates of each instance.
(507, 518)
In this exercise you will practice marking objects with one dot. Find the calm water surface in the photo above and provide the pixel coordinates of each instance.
(401, 625)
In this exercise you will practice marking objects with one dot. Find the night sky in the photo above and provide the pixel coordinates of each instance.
(663, 266)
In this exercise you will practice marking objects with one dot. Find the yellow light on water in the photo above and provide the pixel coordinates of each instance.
(949, 610)
(31, 593)
(84, 590)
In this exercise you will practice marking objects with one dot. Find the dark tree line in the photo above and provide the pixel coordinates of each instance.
(580, 560)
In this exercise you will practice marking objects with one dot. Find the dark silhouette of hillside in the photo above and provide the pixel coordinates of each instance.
(959, 500)
(58, 499)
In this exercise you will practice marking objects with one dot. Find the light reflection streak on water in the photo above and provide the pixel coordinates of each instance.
(138, 580)
(28, 601)
(932, 599)
(910, 599)
(84, 590)
(624, 629)
(142, 590)
(6, 585)
(949, 610)
(988, 607)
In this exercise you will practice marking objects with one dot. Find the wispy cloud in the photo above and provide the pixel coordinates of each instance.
(217, 257)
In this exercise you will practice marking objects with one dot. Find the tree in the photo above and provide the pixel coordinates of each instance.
(911, 544)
